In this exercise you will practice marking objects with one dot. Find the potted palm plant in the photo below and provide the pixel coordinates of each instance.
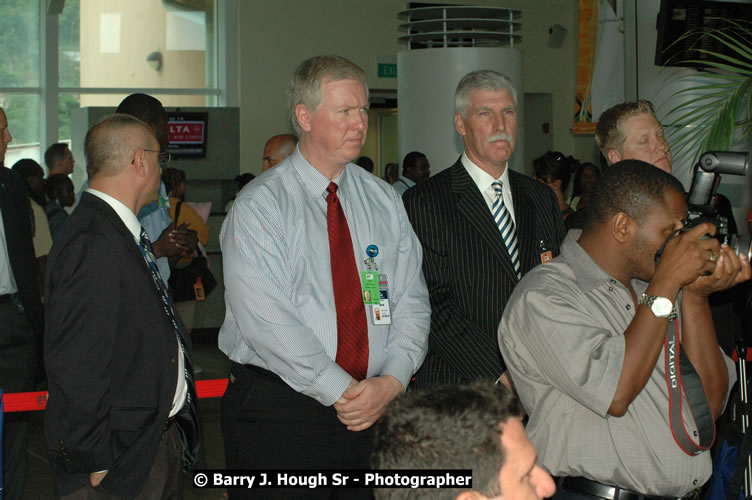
(716, 103)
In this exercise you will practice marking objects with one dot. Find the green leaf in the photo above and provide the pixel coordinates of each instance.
(709, 120)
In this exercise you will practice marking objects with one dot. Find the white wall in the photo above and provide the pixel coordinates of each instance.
(274, 37)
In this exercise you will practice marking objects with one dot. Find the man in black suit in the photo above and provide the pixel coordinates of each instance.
(117, 357)
(21, 314)
(482, 227)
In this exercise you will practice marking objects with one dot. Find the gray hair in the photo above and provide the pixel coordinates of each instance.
(305, 86)
(110, 142)
(484, 79)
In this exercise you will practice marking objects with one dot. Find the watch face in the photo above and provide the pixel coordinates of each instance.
(662, 307)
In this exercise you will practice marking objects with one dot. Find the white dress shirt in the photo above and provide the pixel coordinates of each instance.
(7, 283)
(280, 312)
(483, 180)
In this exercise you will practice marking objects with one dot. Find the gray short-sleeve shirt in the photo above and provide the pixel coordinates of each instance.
(562, 338)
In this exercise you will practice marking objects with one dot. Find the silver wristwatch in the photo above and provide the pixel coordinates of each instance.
(661, 306)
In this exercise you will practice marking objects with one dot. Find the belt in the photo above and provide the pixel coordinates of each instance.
(600, 490)
(168, 424)
(238, 369)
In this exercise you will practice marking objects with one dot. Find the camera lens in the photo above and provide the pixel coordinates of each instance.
(740, 244)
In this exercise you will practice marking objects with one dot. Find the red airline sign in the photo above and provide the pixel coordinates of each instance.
(186, 132)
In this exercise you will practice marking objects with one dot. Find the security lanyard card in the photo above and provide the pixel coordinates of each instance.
(382, 313)
(545, 254)
(370, 285)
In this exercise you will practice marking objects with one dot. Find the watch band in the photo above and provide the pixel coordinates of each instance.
(649, 300)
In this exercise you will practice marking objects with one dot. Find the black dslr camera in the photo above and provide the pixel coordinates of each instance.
(701, 200)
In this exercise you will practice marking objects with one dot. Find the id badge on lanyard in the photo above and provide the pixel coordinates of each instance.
(375, 287)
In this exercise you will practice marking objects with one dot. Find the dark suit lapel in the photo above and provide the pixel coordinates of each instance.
(472, 206)
(4, 196)
(524, 214)
(88, 199)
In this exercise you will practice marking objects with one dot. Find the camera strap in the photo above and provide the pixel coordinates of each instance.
(681, 379)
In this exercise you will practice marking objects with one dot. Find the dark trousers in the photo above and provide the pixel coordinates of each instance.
(18, 366)
(165, 479)
(267, 426)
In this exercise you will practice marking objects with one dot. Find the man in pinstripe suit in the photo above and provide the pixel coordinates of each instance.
(467, 264)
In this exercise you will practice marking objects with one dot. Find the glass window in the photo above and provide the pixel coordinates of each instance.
(69, 54)
(22, 111)
(105, 50)
(19, 39)
(136, 44)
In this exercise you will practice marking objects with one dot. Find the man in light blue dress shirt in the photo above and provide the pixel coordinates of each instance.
(415, 170)
(290, 404)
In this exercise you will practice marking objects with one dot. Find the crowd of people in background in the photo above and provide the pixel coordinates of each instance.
(433, 314)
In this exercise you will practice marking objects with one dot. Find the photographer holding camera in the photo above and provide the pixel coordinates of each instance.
(613, 351)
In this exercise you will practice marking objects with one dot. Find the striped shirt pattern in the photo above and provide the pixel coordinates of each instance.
(280, 311)
(506, 226)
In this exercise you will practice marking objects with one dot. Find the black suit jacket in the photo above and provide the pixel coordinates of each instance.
(14, 203)
(110, 352)
(467, 268)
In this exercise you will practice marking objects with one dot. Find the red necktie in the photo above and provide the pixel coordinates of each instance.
(352, 329)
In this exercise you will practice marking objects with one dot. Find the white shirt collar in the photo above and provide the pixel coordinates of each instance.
(483, 180)
(126, 215)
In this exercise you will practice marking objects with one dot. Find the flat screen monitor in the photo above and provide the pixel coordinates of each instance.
(187, 133)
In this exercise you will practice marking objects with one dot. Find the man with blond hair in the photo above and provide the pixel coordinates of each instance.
(631, 131)
(314, 365)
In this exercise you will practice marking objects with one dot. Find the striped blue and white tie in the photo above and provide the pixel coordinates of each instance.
(506, 225)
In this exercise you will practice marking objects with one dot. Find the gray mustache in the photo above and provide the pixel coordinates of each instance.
(502, 136)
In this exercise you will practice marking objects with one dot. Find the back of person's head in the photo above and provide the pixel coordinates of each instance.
(632, 187)
(55, 153)
(149, 110)
(445, 427)
(110, 142)
(578, 188)
(305, 86)
(33, 175)
(411, 159)
(146, 108)
(172, 177)
(56, 184)
(365, 163)
(28, 168)
(554, 166)
(608, 133)
(284, 144)
(484, 79)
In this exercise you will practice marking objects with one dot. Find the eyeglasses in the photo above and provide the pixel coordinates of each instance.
(163, 157)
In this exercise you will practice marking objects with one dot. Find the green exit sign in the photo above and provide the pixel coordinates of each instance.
(387, 70)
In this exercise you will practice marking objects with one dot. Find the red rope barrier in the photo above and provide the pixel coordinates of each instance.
(34, 401)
